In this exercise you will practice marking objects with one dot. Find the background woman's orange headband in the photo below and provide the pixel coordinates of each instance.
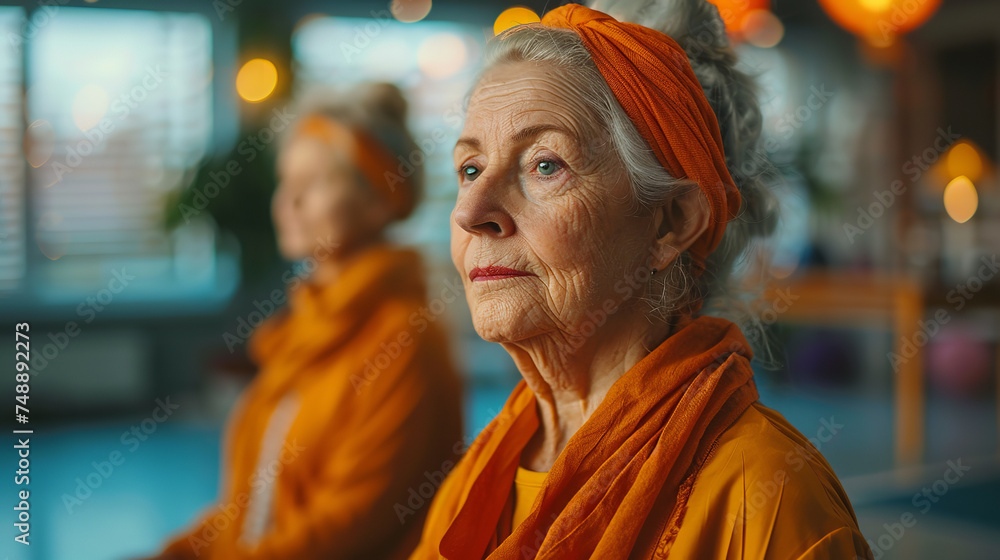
(374, 161)
(652, 79)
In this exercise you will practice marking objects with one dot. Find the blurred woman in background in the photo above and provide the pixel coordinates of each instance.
(608, 180)
(355, 401)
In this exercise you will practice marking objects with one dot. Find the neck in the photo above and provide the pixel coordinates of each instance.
(329, 269)
(570, 380)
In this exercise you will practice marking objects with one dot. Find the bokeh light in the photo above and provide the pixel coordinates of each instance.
(964, 159)
(48, 222)
(39, 142)
(876, 6)
(410, 11)
(90, 104)
(734, 12)
(961, 199)
(512, 17)
(880, 21)
(256, 80)
(762, 28)
(442, 55)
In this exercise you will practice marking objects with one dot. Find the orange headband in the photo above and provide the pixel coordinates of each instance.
(652, 79)
(375, 162)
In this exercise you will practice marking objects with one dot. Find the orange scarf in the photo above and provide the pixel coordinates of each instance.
(351, 441)
(321, 319)
(652, 79)
(641, 447)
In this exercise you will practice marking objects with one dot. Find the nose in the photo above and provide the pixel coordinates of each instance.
(481, 211)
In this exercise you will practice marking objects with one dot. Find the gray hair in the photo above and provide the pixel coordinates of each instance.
(697, 27)
(378, 108)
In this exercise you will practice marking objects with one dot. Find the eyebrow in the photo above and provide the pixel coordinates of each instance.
(518, 137)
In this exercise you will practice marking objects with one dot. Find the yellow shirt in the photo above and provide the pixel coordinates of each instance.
(527, 485)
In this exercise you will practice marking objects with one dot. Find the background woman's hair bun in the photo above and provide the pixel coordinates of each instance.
(379, 109)
(383, 99)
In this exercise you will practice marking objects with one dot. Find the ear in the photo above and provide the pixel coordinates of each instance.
(678, 223)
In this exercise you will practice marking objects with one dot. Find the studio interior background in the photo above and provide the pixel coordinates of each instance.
(137, 146)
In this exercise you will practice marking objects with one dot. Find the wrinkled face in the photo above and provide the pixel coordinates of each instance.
(320, 201)
(542, 199)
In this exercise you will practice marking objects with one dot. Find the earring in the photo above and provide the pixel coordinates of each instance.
(654, 272)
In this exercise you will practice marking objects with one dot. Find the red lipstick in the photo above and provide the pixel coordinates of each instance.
(495, 273)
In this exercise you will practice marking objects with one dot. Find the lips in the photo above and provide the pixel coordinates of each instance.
(495, 273)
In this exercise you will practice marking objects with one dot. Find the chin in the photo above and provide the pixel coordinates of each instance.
(292, 252)
(501, 320)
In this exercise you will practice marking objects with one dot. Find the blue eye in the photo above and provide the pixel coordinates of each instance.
(547, 167)
(469, 172)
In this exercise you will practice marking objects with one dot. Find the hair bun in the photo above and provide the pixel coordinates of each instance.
(694, 24)
(699, 29)
(383, 99)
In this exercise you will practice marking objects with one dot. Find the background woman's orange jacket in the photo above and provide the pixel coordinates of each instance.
(354, 415)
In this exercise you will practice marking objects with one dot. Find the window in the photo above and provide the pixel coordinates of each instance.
(11, 157)
(118, 111)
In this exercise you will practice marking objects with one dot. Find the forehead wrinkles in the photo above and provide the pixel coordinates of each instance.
(506, 98)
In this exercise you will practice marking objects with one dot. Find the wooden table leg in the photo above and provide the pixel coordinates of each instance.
(909, 380)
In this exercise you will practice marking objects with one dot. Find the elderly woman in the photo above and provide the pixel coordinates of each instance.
(595, 214)
(356, 403)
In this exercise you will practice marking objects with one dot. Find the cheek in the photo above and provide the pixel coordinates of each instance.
(584, 252)
(459, 244)
(565, 238)
(331, 207)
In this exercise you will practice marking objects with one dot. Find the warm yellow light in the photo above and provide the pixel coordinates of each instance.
(256, 80)
(964, 159)
(442, 55)
(733, 12)
(90, 104)
(410, 11)
(878, 21)
(876, 5)
(512, 17)
(961, 199)
(763, 29)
